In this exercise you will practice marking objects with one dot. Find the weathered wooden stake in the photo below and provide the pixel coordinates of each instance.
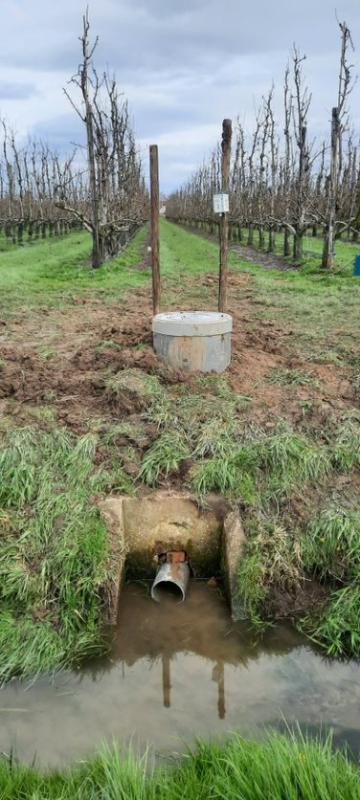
(155, 235)
(224, 224)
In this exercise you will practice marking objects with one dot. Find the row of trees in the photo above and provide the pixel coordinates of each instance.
(280, 178)
(100, 186)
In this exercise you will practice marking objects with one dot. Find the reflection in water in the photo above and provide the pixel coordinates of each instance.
(166, 680)
(176, 672)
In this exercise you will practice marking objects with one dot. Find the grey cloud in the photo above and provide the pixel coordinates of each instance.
(62, 132)
(164, 33)
(16, 91)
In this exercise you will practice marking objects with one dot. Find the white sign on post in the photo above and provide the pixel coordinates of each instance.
(221, 203)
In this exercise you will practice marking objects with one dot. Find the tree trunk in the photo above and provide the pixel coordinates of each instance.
(298, 246)
(287, 249)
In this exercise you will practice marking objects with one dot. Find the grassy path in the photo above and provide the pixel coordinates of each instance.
(51, 271)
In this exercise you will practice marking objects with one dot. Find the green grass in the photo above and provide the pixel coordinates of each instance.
(164, 457)
(337, 627)
(52, 271)
(290, 377)
(53, 550)
(279, 768)
(313, 247)
(272, 560)
(275, 462)
(331, 545)
(330, 550)
(322, 308)
(282, 558)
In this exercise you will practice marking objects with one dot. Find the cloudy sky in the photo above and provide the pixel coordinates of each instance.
(183, 64)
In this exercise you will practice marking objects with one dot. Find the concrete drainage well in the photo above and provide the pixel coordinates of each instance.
(196, 341)
(165, 535)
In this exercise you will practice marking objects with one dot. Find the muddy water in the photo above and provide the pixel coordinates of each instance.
(180, 671)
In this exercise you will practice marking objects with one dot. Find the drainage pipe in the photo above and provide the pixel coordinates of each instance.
(171, 574)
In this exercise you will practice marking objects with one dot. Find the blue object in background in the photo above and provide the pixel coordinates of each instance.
(357, 266)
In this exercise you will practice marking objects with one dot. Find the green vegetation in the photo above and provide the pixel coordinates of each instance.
(53, 550)
(163, 457)
(49, 271)
(331, 551)
(328, 550)
(280, 767)
(291, 377)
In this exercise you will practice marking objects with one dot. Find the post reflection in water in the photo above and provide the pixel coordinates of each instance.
(166, 681)
(164, 630)
(218, 676)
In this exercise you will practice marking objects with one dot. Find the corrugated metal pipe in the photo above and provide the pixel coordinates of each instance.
(172, 577)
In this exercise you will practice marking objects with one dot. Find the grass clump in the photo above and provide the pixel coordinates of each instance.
(260, 466)
(345, 450)
(164, 457)
(53, 550)
(132, 389)
(272, 559)
(337, 628)
(331, 552)
(293, 767)
(290, 377)
(331, 545)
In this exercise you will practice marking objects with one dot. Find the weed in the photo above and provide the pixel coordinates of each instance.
(108, 344)
(272, 559)
(331, 545)
(164, 457)
(337, 627)
(47, 353)
(161, 411)
(291, 377)
(290, 461)
(215, 438)
(217, 474)
(54, 570)
(276, 462)
(345, 450)
(132, 386)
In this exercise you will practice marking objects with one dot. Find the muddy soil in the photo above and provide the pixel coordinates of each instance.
(62, 359)
(267, 260)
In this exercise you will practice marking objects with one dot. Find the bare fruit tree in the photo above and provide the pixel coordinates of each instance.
(338, 118)
(117, 194)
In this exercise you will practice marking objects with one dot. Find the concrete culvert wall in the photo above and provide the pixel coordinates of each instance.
(143, 528)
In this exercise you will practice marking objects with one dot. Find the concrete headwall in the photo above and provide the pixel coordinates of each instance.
(142, 527)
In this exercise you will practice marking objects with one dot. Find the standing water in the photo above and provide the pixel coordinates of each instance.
(176, 672)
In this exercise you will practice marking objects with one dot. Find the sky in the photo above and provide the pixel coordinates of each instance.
(184, 65)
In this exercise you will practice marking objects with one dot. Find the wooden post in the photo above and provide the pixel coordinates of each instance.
(154, 217)
(224, 224)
